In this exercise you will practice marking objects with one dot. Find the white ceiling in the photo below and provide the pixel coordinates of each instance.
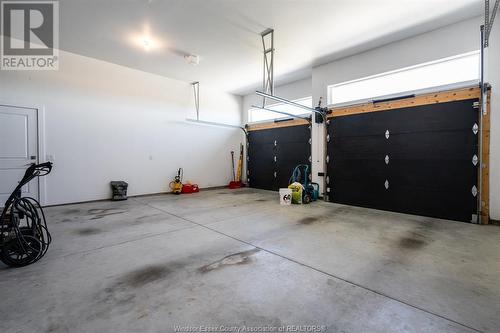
(226, 33)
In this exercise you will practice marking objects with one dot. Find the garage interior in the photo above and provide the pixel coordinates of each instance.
(250, 166)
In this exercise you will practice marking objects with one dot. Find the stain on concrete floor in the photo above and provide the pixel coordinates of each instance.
(245, 191)
(71, 211)
(101, 213)
(308, 220)
(88, 231)
(411, 243)
(145, 275)
(240, 258)
(122, 295)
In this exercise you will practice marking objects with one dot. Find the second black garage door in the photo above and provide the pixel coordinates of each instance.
(274, 152)
(417, 160)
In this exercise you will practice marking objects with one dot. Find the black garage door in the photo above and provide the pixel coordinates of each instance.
(417, 160)
(273, 153)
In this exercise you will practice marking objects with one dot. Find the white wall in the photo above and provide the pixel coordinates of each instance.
(106, 122)
(493, 77)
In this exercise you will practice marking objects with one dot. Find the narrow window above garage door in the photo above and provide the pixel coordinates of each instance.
(453, 72)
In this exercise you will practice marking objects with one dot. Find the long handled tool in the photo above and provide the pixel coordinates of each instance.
(240, 164)
(232, 161)
(236, 182)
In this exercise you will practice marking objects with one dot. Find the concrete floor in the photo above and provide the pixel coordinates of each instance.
(237, 258)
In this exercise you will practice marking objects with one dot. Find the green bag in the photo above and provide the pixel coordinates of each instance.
(297, 189)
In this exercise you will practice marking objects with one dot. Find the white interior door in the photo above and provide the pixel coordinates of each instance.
(18, 148)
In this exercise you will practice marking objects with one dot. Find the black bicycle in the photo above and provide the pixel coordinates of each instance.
(24, 237)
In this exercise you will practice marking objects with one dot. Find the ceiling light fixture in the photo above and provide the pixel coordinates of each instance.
(145, 40)
(147, 44)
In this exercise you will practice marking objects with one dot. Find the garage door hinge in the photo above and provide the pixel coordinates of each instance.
(474, 190)
(328, 180)
(386, 184)
(328, 138)
(475, 129)
(327, 159)
(275, 174)
(275, 159)
(310, 141)
(275, 143)
(310, 159)
(475, 105)
(386, 159)
(387, 134)
(475, 160)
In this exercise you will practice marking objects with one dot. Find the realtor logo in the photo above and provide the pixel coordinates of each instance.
(29, 35)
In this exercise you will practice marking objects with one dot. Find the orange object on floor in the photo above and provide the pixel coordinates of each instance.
(235, 184)
(190, 188)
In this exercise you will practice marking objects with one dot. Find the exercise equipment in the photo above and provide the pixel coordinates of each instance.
(24, 236)
(176, 184)
(310, 190)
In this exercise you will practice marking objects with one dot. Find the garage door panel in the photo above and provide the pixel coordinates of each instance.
(290, 134)
(450, 116)
(357, 147)
(457, 145)
(369, 194)
(260, 137)
(360, 169)
(429, 168)
(278, 151)
(261, 165)
(359, 125)
(439, 203)
(427, 174)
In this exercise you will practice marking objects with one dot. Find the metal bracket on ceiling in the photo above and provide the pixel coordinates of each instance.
(267, 92)
(196, 90)
(212, 123)
(488, 21)
(267, 37)
(285, 101)
(281, 112)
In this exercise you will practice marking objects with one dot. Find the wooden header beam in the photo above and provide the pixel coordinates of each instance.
(425, 99)
(278, 124)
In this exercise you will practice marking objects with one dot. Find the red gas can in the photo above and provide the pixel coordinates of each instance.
(190, 188)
